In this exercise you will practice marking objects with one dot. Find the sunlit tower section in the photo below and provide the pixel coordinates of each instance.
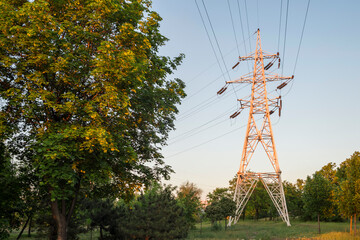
(259, 104)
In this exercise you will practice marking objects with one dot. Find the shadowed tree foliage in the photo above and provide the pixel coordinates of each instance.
(10, 193)
(293, 199)
(109, 216)
(220, 209)
(157, 215)
(83, 82)
(260, 204)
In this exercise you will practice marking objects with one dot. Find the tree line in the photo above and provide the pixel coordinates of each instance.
(330, 194)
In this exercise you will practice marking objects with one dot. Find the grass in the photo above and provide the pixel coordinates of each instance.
(251, 230)
(275, 231)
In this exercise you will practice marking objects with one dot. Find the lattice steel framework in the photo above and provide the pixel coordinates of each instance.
(260, 104)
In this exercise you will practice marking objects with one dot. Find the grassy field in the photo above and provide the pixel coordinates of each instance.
(257, 230)
(274, 230)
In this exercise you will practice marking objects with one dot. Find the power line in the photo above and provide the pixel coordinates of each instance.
(247, 20)
(217, 42)
(203, 143)
(257, 13)
(210, 66)
(209, 84)
(194, 109)
(297, 55)
(232, 23)
(199, 74)
(286, 21)
(198, 129)
(213, 139)
(203, 105)
(243, 35)
(302, 34)
(281, 4)
(207, 33)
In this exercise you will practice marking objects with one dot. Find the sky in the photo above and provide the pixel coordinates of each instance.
(320, 121)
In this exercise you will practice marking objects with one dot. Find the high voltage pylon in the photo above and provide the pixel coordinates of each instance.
(260, 104)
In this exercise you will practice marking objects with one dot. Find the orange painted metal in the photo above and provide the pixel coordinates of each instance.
(260, 104)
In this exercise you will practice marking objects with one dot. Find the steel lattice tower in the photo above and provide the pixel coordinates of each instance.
(259, 104)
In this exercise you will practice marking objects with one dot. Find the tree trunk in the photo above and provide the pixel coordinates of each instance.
(101, 233)
(60, 216)
(29, 229)
(351, 224)
(22, 230)
(225, 224)
(60, 219)
(319, 223)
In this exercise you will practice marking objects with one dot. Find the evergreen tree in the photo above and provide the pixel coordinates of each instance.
(157, 215)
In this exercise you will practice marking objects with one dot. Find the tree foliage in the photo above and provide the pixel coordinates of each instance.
(188, 196)
(157, 215)
(10, 193)
(220, 209)
(83, 82)
(293, 199)
(217, 194)
(349, 191)
(317, 196)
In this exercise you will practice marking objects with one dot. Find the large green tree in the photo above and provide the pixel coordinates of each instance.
(317, 196)
(83, 82)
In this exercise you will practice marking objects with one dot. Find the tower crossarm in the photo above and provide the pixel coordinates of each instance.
(256, 56)
(244, 103)
(274, 101)
(269, 78)
(276, 77)
(242, 80)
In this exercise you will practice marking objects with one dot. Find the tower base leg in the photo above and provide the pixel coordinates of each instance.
(245, 186)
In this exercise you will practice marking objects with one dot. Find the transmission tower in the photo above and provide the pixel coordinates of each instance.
(259, 104)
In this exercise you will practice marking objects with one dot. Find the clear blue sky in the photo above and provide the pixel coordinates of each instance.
(320, 121)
